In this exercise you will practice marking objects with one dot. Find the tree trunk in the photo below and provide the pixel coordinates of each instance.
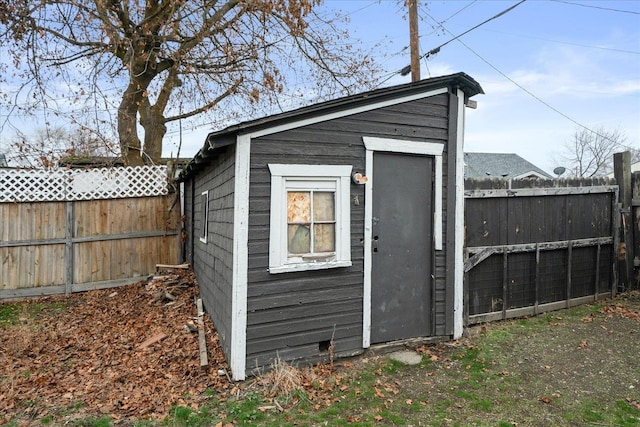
(152, 121)
(127, 125)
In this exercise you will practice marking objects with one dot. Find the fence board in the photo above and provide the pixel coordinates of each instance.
(529, 249)
(109, 242)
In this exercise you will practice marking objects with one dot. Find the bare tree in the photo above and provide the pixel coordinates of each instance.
(45, 147)
(589, 153)
(174, 59)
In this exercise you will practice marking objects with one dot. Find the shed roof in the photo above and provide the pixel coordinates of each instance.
(221, 138)
(500, 165)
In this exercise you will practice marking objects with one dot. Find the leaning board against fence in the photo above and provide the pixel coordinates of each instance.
(71, 230)
(530, 250)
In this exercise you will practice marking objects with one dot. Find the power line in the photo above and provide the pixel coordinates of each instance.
(632, 12)
(437, 49)
(567, 43)
(534, 96)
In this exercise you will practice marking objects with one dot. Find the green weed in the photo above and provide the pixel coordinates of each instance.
(8, 315)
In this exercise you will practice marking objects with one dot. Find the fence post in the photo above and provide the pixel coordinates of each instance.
(68, 248)
(622, 174)
(635, 217)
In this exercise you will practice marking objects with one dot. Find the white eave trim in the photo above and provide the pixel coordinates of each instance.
(530, 173)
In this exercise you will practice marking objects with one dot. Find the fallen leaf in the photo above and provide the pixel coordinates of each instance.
(379, 393)
(545, 399)
(378, 418)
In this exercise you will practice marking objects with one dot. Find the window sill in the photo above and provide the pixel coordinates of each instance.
(305, 266)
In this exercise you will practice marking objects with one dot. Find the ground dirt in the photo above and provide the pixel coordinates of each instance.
(567, 368)
(68, 359)
(85, 354)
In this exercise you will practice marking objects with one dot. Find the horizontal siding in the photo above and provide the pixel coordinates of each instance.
(290, 314)
(188, 222)
(213, 262)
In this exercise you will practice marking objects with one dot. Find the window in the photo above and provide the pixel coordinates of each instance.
(204, 214)
(310, 217)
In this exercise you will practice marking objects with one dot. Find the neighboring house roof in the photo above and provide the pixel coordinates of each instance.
(223, 137)
(500, 165)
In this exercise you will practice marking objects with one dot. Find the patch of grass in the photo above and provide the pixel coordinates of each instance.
(11, 314)
(92, 422)
(47, 419)
(185, 416)
(144, 423)
(626, 414)
(8, 315)
(245, 410)
(392, 366)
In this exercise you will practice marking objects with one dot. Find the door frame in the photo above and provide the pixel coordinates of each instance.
(372, 145)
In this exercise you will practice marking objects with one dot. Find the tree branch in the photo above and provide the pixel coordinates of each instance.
(207, 107)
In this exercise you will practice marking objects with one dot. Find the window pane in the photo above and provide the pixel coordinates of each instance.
(298, 239)
(298, 206)
(324, 235)
(323, 206)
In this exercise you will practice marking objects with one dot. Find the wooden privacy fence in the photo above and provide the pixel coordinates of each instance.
(73, 230)
(530, 250)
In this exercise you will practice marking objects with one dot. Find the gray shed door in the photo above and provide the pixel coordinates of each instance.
(402, 243)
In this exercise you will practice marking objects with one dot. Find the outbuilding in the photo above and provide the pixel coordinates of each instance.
(328, 229)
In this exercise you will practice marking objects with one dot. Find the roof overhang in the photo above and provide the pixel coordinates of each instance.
(328, 110)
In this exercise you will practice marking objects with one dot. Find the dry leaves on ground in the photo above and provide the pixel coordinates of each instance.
(93, 354)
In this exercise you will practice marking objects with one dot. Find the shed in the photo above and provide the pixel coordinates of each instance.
(333, 227)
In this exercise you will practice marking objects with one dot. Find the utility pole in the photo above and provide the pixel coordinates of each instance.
(413, 39)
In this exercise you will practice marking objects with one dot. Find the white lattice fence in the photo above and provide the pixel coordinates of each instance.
(18, 185)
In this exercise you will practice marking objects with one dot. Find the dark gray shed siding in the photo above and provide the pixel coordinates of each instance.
(188, 222)
(213, 261)
(289, 314)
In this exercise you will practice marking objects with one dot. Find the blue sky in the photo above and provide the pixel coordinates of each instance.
(579, 57)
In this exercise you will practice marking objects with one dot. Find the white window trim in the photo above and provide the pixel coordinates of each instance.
(280, 175)
(205, 226)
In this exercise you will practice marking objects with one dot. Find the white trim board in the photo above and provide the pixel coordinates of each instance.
(373, 144)
(458, 260)
(238, 357)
